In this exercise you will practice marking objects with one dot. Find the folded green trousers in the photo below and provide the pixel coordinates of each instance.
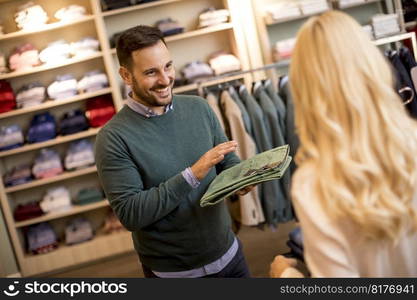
(265, 166)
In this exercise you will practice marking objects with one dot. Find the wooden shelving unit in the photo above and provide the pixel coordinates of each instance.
(137, 7)
(39, 182)
(102, 24)
(47, 67)
(48, 27)
(58, 140)
(54, 103)
(99, 247)
(74, 210)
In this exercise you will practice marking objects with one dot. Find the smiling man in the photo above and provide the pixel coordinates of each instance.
(155, 160)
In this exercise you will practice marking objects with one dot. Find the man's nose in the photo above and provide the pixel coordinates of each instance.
(165, 79)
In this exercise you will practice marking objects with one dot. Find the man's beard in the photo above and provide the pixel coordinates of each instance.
(151, 100)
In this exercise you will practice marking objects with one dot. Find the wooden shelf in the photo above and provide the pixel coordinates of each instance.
(194, 86)
(40, 182)
(53, 103)
(58, 140)
(46, 67)
(48, 27)
(358, 4)
(74, 210)
(193, 33)
(197, 32)
(269, 21)
(100, 246)
(394, 38)
(136, 7)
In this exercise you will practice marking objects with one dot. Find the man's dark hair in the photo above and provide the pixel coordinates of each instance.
(136, 38)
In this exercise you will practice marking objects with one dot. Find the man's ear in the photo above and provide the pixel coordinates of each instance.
(126, 75)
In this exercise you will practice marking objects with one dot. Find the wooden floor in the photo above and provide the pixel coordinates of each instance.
(259, 246)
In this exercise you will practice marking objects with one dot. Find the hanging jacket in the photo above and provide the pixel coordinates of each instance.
(276, 137)
(214, 105)
(243, 111)
(279, 104)
(292, 137)
(271, 192)
(250, 206)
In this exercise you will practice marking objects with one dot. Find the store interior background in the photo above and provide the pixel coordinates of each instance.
(248, 34)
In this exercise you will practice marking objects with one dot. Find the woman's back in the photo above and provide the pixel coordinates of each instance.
(338, 248)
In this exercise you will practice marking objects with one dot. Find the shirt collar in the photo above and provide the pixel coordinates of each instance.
(143, 109)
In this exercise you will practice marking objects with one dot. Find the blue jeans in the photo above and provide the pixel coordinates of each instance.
(236, 268)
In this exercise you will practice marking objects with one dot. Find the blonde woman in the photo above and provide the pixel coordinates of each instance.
(355, 190)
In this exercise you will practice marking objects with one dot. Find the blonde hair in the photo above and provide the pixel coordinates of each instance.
(353, 127)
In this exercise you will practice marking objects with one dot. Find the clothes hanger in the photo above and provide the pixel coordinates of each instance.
(407, 89)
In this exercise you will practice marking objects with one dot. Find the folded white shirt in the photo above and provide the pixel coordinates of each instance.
(70, 13)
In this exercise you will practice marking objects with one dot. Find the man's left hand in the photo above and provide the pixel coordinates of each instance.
(245, 190)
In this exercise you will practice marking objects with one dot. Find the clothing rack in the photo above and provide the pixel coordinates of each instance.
(200, 84)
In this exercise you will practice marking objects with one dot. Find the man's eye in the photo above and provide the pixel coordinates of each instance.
(150, 73)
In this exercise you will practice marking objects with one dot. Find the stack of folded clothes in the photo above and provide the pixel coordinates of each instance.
(63, 87)
(31, 94)
(11, 137)
(282, 10)
(212, 16)
(196, 70)
(100, 109)
(41, 238)
(169, 27)
(384, 25)
(86, 46)
(309, 7)
(369, 31)
(78, 230)
(7, 97)
(70, 13)
(93, 81)
(80, 154)
(31, 17)
(18, 175)
(27, 211)
(42, 128)
(3, 65)
(47, 164)
(72, 122)
(24, 57)
(222, 63)
(265, 166)
(283, 49)
(56, 52)
(114, 4)
(89, 195)
(56, 199)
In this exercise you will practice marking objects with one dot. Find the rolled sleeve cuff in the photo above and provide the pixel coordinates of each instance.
(190, 178)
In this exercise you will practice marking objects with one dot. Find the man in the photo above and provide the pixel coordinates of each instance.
(155, 160)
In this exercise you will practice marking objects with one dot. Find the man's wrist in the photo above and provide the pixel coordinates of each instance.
(190, 177)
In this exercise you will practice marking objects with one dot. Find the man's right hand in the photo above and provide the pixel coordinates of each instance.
(212, 158)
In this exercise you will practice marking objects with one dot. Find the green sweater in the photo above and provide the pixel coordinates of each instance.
(139, 163)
